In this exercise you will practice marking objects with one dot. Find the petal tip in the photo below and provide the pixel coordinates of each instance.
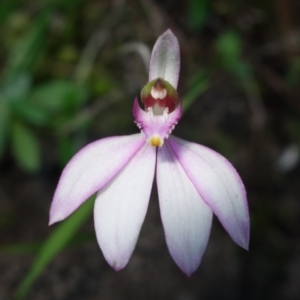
(188, 269)
(169, 32)
(240, 230)
(55, 214)
(54, 219)
(117, 268)
(117, 265)
(189, 273)
(245, 243)
(242, 239)
(246, 247)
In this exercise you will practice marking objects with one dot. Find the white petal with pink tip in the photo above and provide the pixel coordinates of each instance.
(219, 185)
(165, 59)
(121, 206)
(89, 170)
(185, 216)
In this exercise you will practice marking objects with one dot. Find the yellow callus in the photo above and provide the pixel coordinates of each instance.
(156, 141)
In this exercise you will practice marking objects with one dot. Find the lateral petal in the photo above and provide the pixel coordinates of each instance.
(89, 170)
(165, 59)
(121, 206)
(218, 183)
(185, 216)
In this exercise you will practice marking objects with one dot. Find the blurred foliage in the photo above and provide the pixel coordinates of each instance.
(197, 85)
(14, 91)
(16, 86)
(293, 74)
(26, 107)
(198, 11)
(56, 242)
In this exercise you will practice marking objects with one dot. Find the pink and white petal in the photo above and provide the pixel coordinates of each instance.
(121, 206)
(165, 59)
(219, 184)
(161, 125)
(89, 170)
(185, 216)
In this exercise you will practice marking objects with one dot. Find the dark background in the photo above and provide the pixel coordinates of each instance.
(69, 73)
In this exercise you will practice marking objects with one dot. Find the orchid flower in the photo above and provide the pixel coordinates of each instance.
(193, 181)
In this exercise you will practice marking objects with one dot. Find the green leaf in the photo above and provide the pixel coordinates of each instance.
(229, 47)
(16, 87)
(20, 248)
(28, 50)
(55, 243)
(293, 73)
(197, 85)
(25, 148)
(35, 248)
(66, 149)
(29, 113)
(4, 125)
(6, 8)
(59, 95)
(198, 12)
